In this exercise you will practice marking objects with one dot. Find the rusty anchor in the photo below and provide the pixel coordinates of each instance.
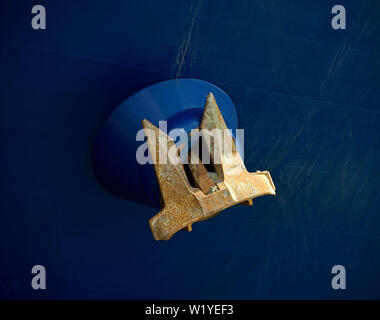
(191, 192)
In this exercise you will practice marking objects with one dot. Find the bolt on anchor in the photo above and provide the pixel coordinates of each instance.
(193, 192)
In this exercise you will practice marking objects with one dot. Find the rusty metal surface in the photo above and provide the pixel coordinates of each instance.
(201, 178)
(230, 184)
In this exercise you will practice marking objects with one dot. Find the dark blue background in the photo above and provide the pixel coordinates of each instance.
(308, 97)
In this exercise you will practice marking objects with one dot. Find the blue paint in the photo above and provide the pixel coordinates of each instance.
(307, 96)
